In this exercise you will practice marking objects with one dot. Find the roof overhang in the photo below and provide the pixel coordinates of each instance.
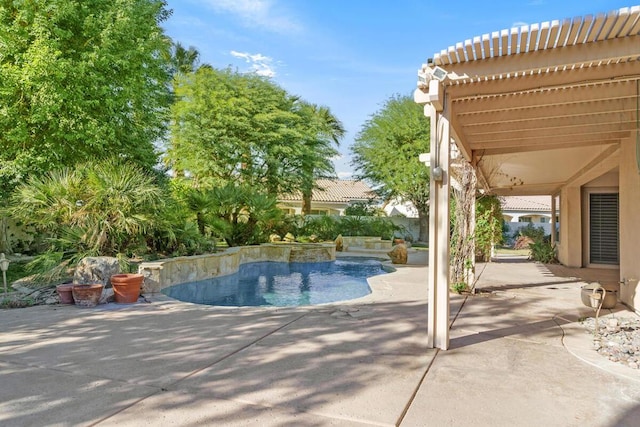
(538, 107)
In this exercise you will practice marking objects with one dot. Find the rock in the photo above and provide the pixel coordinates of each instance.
(275, 238)
(107, 296)
(339, 243)
(398, 254)
(96, 270)
(313, 238)
(289, 238)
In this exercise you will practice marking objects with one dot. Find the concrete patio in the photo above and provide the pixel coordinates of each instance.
(517, 357)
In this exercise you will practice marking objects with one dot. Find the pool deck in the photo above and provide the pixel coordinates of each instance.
(518, 357)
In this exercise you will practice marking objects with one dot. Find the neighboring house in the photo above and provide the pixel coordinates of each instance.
(520, 211)
(544, 109)
(526, 209)
(397, 207)
(333, 197)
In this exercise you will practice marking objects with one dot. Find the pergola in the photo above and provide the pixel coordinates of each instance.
(536, 110)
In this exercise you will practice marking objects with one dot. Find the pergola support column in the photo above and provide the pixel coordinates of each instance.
(438, 312)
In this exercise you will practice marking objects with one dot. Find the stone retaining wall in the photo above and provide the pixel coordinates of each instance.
(366, 242)
(174, 271)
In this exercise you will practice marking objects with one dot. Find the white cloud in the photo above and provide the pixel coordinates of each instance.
(518, 24)
(345, 175)
(258, 13)
(258, 63)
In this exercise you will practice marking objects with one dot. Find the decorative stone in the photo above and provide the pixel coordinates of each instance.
(398, 254)
(313, 238)
(96, 270)
(107, 296)
(289, 238)
(339, 243)
(275, 238)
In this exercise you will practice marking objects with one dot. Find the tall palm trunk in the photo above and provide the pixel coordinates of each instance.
(306, 204)
(5, 241)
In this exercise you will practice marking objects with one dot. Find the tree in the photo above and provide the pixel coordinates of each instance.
(184, 60)
(386, 152)
(102, 208)
(323, 130)
(229, 127)
(80, 80)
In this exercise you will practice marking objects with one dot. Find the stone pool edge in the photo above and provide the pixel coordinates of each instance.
(174, 271)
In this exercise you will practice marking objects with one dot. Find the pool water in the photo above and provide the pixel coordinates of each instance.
(283, 284)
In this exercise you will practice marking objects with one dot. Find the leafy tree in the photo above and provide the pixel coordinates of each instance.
(386, 153)
(80, 80)
(364, 209)
(230, 127)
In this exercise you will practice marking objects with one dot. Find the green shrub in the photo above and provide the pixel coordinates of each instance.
(459, 287)
(488, 225)
(325, 227)
(543, 252)
(531, 231)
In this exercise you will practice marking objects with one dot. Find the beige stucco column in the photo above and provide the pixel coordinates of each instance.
(438, 311)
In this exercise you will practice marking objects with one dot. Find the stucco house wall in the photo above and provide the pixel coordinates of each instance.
(624, 177)
(629, 223)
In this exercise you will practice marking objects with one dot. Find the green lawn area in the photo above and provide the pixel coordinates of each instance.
(508, 251)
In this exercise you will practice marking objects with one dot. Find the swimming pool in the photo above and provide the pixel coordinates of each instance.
(283, 284)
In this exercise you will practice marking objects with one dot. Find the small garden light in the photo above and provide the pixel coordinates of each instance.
(4, 266)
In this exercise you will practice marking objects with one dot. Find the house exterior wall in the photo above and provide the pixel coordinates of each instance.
(629, 223)
(329, 208)
(571, 247)
(570, 243)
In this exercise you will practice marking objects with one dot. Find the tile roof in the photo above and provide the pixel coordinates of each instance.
(337, 191)
(526, 203)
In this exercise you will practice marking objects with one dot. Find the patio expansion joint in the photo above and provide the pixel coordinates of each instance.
(167, 387)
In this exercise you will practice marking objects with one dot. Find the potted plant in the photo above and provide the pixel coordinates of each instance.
(126, 287)
(87, 295)
(65, 293)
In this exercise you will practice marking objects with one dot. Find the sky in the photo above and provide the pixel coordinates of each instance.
(349, 55)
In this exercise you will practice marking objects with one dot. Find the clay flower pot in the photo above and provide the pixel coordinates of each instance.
(87, 295)
(126, 287)
(65, 293)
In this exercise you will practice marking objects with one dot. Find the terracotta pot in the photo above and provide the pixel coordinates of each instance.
(126, 287)
(65, 293)
(87, 295)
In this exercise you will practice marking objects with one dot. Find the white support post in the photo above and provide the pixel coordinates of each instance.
(471, 278)
(438, 311)
(553, 220)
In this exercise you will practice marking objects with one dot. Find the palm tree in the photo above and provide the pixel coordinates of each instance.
(184, 60)
(326, 130)
(102, 208)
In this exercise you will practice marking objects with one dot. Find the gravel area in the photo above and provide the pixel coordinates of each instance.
(618, 339)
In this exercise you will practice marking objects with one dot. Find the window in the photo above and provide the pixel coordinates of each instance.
(603, 228)
(524, 219)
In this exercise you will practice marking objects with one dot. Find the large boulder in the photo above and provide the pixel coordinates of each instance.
(398, 254)
(96, 270)
(339, 243)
